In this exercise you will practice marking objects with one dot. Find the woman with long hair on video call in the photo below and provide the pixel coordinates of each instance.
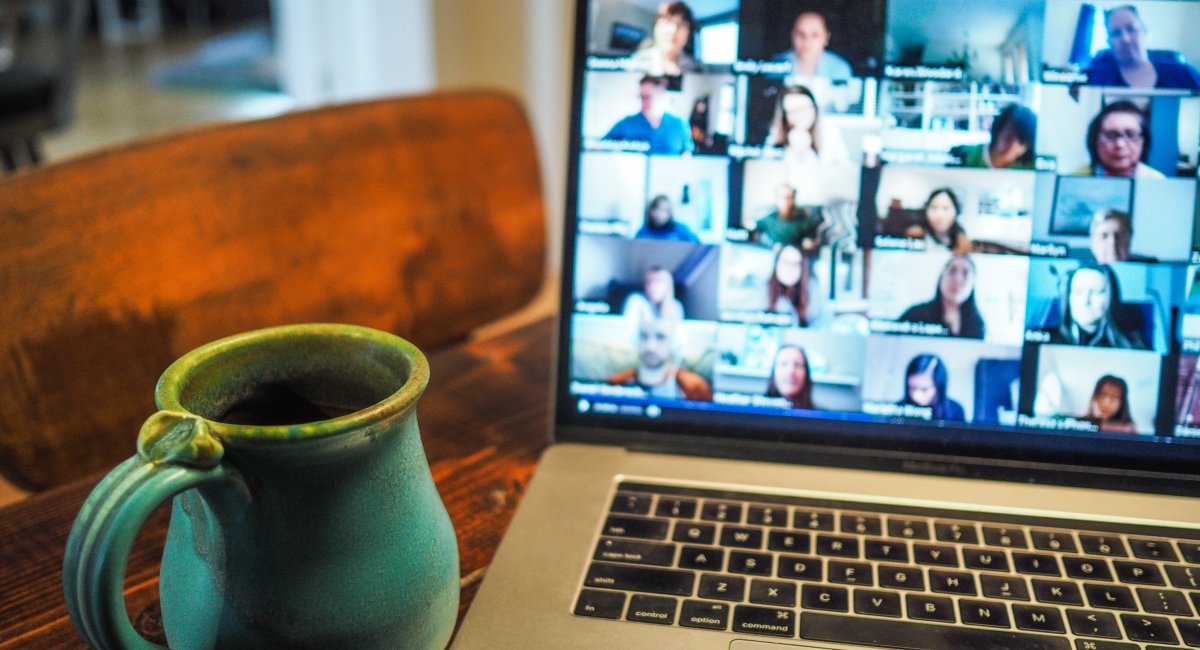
(797, 128)
(790, 377)
(668, 51)
(1109, 406)
(925, 382)
(939, 224)
(787, 288)
(953, 305)
(1118, 142)
(1093, 314)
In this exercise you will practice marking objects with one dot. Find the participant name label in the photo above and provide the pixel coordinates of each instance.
(898, 327)
(913, 157)
(923, 72)
(603, 228)
(758, 401)
(752, 66)
(1047, 249)
(607, 390)
(592, 307)
(900, 243)
(891, 410)
(755, 317)
(600, 144)
(1051, 76)
(1060, 423)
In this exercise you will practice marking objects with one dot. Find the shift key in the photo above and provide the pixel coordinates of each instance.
(670, 582)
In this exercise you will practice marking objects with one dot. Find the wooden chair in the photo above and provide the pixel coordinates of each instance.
(422, 216)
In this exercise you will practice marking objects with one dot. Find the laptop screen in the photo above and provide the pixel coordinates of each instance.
(960, 227)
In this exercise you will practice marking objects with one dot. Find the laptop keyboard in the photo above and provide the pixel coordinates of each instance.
(889, 576)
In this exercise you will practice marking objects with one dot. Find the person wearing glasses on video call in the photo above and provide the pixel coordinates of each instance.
(1129, 63)
(668, 52)
(1118, 140)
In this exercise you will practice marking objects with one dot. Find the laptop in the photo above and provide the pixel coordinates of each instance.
(880, 327)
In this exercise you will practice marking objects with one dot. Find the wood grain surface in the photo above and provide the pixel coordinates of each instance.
(484, 421)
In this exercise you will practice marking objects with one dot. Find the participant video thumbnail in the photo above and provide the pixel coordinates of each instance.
(961, 210)
(1187, 392)
(662, 358)
(661, 38)
(995, 42)
(799, 124)
(1111, 391)
(643, 277)
(1105, 220)
(776, 201)
(938, 293)
(1141, 44)
(942, 380)
(631, 111)
(1123, 305)
(789, 368)
(831, 39)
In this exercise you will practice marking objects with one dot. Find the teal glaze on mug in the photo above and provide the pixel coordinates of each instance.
(326, 533)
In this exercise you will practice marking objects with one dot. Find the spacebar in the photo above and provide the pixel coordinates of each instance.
(918, 636)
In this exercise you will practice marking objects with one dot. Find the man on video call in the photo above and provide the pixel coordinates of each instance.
(809, 56)
(658, 370)
(666, 133)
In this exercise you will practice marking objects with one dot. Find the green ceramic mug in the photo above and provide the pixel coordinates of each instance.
(304, 511)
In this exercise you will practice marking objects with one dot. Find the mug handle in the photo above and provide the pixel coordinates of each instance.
(176, 452)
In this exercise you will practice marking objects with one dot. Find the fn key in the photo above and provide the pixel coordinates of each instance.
(601, 604)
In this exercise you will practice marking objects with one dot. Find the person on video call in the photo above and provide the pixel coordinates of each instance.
(1013, 133)
(796, 127)
(1109, 406)
(665, 133)
(939, 223)
(953, 305)
(1118, 141)
(925, 382)
(787, 223)
(1094, 315)
(1109, 237)
(656, 299)
(660, 223)
(790, 377)
(789, 289)
(658, 371)
(668, 52)
(1129, 63)
(810, 56)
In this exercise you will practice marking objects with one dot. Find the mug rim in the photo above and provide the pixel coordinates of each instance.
(175, 378)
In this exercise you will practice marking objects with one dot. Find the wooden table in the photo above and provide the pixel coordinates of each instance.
(484, 421)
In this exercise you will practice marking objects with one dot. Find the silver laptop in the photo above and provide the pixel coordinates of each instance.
(880, 327)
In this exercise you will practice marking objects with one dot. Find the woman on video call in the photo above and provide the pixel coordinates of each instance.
(1118, 141)
(660, 223)
(1109, 406)
(787, 289)
(940, 222)
(1129, 61)
(797, 128)
(1014, 132)
(790, 377)
(953, 305)
(925, 382)
(1093, 314)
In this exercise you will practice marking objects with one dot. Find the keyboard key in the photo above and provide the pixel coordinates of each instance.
(636, 578)
(652, 609)
(1190, 552)
(626, 550)
(1058, 592)
(1138, 573)
(1083, 568)
(898, 577)
(985, 559)
(983, 612)
(767, 515)
(631, 504)
(904, 634)
(930, 608)
(771, 592)
(722, 587)
(1184, 577)
(952, 582)
(1110, 546)
(1033, 618)
(834, 599)
(1092, 644)
(932, 555)
(1049, 540)
(700, 557)
(1109, 597)
(908, 528)
(1161, 601)
(1189, 631)
(1148, 629)
(1153, 549)
(710, 616)
(800, 568)
(749, 619)
(1004, 537)
(755, 564)
(876, 603)
(601, 604)
(850, 573)
(1095, 624)
(690, 533)
(1035, 564)
(721, 511)
(676, 508)
(813, 520)
(837, 546)
(619, 526)
(961, 533)
(886, 550)
(782, 540)
(1007, 587)
(862, 524)
(741, 537)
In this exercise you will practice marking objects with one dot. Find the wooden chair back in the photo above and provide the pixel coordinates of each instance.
(422, 216)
